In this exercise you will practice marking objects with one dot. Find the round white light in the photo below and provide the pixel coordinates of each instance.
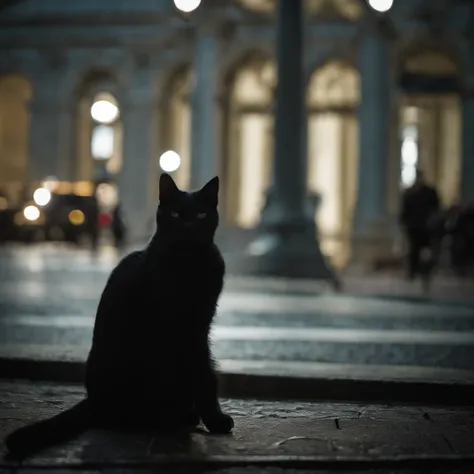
(104, 111)
(187, 6)
(381, 6)
(31, 213)
(42, 196)
(170, 161)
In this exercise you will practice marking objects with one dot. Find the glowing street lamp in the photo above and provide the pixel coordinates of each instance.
(104, 111)
(42, 196)
(170, 161)
(187, 6)
(380, 6)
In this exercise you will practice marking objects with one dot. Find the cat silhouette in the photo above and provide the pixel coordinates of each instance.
(150, 366)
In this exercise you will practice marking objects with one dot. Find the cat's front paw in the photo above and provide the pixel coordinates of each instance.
(220, 423)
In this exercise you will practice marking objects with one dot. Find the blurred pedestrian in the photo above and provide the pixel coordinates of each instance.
(461, 229)
(419, 209)
(118, 227)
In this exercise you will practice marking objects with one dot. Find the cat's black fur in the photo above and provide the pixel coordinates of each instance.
(150, 365)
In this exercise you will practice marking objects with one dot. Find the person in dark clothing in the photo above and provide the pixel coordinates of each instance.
(461, 229)
(420, 205)
(118, 227)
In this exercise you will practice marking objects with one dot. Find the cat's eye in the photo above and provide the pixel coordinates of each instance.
(174, 214)
(201, 215)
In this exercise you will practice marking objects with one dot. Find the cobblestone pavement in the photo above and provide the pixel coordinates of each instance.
(48, 297)
(287, 433)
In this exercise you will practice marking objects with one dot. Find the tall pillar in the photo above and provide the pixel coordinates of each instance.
(467, 162)
(138, 112)
(204, 118)
(287, 245)
(50, 130)
(371, 231)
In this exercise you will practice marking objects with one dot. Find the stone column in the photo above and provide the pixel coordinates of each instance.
(138, 113)
(204, 116)
(289, 188)
(286, 245)
(467, 160)
(370, 227)
(50, 130)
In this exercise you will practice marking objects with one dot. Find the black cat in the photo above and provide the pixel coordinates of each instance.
(150, 366)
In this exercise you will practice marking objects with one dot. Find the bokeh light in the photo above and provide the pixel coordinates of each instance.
(42, 196)
(381, 6)
(170, 161)
(104, 111)
(76, 217)
(31, 213)
(187, 6)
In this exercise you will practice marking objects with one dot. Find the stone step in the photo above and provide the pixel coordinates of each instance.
(318, 436)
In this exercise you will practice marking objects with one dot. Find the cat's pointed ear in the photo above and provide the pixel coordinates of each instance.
(168, 187)
(210, 191)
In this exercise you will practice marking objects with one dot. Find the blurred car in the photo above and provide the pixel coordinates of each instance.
(51, 217)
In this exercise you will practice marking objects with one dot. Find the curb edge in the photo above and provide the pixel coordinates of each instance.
(274, 387)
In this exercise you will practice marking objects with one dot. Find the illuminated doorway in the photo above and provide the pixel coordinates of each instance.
(249, 150)
(15, 93)
(106, 136)
(333, 95)
(99, 132)
(430, 123)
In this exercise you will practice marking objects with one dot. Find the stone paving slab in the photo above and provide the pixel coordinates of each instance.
(289, 434)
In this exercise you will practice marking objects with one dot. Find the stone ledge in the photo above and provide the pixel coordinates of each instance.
(274, 385)
(284, 434)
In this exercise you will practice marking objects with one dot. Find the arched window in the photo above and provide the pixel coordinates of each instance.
(105, 140)
(430, 121)
(333, 86)
(176, 155)
(333, 95)
(250, 148)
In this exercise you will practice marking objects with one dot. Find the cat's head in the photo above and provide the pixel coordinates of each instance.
(184, 217)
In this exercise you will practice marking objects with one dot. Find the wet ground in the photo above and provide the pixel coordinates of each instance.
(48, 297)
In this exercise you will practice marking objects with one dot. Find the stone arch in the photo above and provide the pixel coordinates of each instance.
(16, 91)
(430, 62)
(90, 81)
(334, 83)
(317, 62)
(333, 95)
(240, 59)
(430, 59)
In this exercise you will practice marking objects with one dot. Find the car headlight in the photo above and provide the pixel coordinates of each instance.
(31, 213)
(42, 196)
(76, 217)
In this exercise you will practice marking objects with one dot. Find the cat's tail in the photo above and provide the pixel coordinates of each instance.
(62, 427)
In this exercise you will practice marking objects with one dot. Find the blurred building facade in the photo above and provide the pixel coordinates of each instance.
(383, 97)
